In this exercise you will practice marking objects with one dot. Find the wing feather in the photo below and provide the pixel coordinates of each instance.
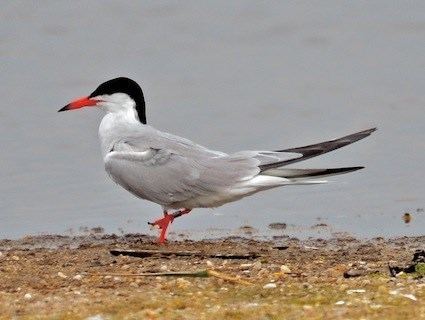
(166, 177)
(317, 149)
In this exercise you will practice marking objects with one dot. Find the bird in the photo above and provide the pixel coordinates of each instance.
(181, 175)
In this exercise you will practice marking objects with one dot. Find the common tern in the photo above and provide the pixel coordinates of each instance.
(181, 175)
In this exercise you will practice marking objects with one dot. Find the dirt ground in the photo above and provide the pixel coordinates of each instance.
(65, 277)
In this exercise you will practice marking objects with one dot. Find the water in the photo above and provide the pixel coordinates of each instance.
(239, 75)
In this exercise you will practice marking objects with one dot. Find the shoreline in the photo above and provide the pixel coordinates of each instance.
(77, 277)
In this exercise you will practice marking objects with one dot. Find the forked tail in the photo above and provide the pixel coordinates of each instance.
(307, 176)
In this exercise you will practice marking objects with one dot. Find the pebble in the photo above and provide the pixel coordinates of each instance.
(339, 303)
(410, 296)
(209, 263)
(16, 258)
(270, 286)
(285, 269)
(150, 313)
(245, 266)
(252, 305)
(27, 296)
(95, 317)
(351, 291)
(311, 248)
(352, 273)
(117, 279)
(60, 274)
(163, 268)
(78, 277)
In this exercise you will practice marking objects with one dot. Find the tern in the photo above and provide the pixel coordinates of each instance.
(181, 175)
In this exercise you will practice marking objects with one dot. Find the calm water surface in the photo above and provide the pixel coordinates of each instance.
(239, 75)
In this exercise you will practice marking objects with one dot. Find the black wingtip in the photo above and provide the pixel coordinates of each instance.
(64, 108)
(331, 171)
(343, 170)
(356, 168)
(369, 131)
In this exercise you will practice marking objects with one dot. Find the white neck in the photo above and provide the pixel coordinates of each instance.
(116, 126)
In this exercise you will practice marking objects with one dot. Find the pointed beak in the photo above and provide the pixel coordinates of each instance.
(79, 103)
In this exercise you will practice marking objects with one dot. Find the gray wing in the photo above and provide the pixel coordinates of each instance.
(166, 170)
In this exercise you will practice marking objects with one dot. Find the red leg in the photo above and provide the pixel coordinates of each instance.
(164, 222)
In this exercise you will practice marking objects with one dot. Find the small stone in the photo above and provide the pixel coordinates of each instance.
(351, 291)
(134, 285)
(77, 293)
(252, 305)
(285, 269)
(117, 279)
(125, 267)
(95, 317)
(311, 248)
(410, 296)
(401, 273)
(78, 277)
(209, 263)
(307, 307)
(407, 217)
(352, 273)
(245, 266)
(277, 226)
(339, 303)
(27, 296)
(16, 258)
(270, 286)
(60, 274)
(163, 268)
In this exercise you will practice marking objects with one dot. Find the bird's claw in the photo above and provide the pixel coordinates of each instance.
(162, 224)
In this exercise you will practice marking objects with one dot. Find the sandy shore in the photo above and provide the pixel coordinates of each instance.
(62, 277)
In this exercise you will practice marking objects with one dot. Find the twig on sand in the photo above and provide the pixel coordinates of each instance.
(194, 274)
(227, 277)
(150, 253)
(199, 273)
